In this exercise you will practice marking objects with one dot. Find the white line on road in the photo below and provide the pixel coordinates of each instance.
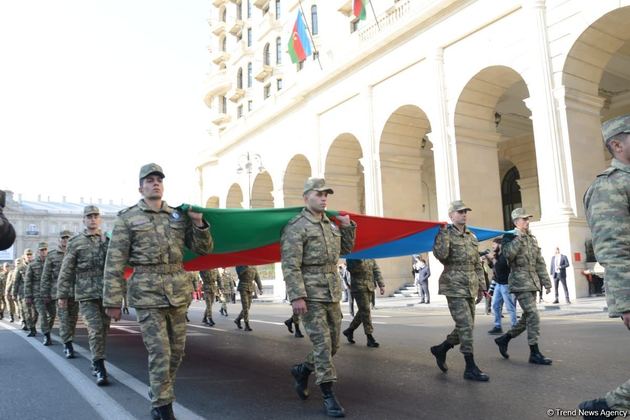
(207, 328)
(98, 399)
(129, 330)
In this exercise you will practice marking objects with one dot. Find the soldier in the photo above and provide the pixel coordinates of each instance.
(247, 275)
(211, 280)
(150, 237)
(607, 205)
(4, 272)
(294, 320)
(463, 283)
(81, 277)
(365, 273)
(227, 286)
(48, 289)
(310, 246)
(528, 275)
(8, 292)
(32, 290)
(27, 312)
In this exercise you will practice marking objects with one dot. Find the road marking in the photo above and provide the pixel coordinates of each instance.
(97, 398)
(266, 322)
(207, 328)
(129, 330)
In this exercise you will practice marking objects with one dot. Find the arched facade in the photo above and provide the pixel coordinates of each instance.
(298, 170)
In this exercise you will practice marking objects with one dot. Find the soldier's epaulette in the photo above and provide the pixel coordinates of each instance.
(74, 238)
(295, 219)
(608, 171)
(123, 211)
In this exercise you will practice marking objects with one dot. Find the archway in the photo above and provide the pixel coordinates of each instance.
(298, 170)
(262, 189)
(234, 197)
(344, 174)
(212, 202)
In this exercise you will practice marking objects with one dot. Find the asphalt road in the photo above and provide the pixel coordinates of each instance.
(232, 374)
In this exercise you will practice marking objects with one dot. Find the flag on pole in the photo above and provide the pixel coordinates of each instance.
(299, 44)
(358, 8)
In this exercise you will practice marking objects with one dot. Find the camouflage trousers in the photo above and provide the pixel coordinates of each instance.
(209, 298)
(295, 318)
(97, 323)
(246, 303)
(363, 315)
(164, 336)
(225, 298)
(529, 319)
(463, 313)
(47, 314)
(619, 399)
(3, 304)
(29, 314)
(322, 323)
(10, 304)
(68, 318)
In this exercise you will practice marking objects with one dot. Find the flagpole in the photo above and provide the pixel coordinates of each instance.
(310, 35)
(374, 13)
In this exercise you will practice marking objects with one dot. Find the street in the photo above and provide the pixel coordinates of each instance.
(232, 374)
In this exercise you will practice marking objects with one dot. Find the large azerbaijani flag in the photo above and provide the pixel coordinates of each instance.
(358, 8)
(252, 236)
(299, 43)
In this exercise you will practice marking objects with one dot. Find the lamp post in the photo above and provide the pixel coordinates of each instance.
(249, 163)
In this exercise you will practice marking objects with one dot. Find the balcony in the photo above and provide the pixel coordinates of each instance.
(261, 4)
(237, 27)
(237, 95)
(217, 84)
(218, 28)
(220, 118)
(265, 71)
(236, 1)
(345, 7)
(220, 57)
(219, 3)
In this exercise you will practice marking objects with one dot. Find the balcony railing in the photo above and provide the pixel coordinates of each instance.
(237, 95)
(220, 57)
(265, 71)
(218, 27)
(261, 3)
(217, 84)
(236, 28)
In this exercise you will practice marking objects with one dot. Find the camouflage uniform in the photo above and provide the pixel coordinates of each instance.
(227, 285)
(152, 244)
(3, 282)
(211, 279)
(27, 312)
(607, 205)
(81, 277)
(365, 273)
(32, 291)
(8, 293)
(247, 275)
(310, 250)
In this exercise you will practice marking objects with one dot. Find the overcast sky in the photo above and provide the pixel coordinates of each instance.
(90, 90)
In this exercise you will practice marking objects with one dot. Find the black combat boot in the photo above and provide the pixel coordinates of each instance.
(125, 310)
(1, 315)
(439, 352)
(24, 327)
(225, 314)
(301, 373)
(47, 341)
(68, 350)
(536, 357)
(211, 322)
(204, 320)
(298, 333)
(349, 335)
(33, 333)
(472, 372)
(12, 318)
(247, 327)
(221, 311)
(289, 324)
(237, 321)
(502, 342)
(331, 404)
(93, 368)
(164, 412)
(371, 342)
(187, 320)
(101, 373)
(595, 409)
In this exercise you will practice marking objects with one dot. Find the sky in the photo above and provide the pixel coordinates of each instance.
(90, 90)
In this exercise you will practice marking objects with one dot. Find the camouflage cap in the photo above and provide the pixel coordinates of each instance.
(42, 245)
(317, 184)
(65, 234)
(458, 205)
(151, 168)
(87, 210)
(615, 126)
(520, 213)
(28, 251)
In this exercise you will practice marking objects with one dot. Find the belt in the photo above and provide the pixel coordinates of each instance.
(159, 268)
(320, 269)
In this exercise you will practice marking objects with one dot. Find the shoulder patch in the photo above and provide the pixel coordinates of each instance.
(295, 219)
(74, 238)
(609, 171)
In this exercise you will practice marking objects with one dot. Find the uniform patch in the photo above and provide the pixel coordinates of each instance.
(175, 215)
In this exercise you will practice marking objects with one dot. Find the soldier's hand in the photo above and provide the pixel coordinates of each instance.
(62, 303)
(479, 297)
(625, 317)
(113, 313)
(299, 306)
(344, 220)
(382, 290)
(196, 217)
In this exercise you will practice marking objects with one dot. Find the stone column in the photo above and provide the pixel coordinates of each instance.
(529, 195)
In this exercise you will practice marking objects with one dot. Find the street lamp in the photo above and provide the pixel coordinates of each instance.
(250, 163)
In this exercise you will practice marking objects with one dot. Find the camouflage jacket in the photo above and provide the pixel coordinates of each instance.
(152, 243)
(365, 273)
(528, 272)
(310, 250)
(8, 288)
(607, 204)
(211, 280)
(247, 275)
(52, 267)
(459, 253)
(19, 273)
(3, 281)
(81, 272)
(227, 283)
(33, 278)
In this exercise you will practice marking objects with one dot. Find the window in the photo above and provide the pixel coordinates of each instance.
(314, 22)
(239, 78)
(224, 43)
(249, 8)
(223, 14)
(239, 111)
(250, 105)
(510, 196)
(300, 65)
(267, 91)
(223, 105)
(249, 37)
(249, 75)
(239, 11)
(279, 84)
(266, 58)
(278, 50)
(277, 9)
(32, 229)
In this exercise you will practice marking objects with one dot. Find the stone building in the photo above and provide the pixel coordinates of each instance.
(498, 103)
